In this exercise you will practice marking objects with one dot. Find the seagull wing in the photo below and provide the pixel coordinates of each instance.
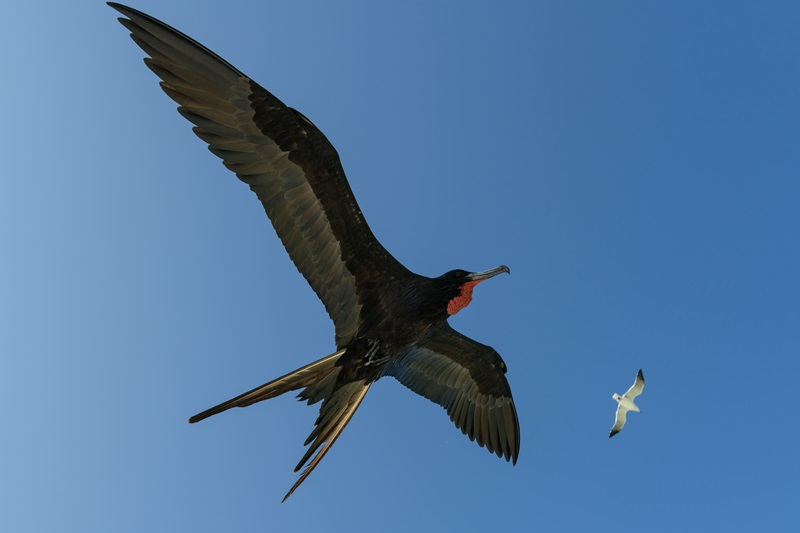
(637, 387)
(619, 421)
(284, 158)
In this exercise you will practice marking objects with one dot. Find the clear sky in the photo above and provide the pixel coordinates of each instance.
(635, 163)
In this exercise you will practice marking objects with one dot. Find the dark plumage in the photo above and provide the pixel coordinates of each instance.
(388, 321)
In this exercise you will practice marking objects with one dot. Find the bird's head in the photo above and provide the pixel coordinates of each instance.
(458, 285)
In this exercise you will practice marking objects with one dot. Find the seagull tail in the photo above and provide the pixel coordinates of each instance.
(317, 378)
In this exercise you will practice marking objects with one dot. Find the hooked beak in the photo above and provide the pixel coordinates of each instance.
(486, 274)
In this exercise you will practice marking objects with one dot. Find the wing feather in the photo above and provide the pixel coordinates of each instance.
(619, 420)
(284, 158)
(637, 387)
(467, 379)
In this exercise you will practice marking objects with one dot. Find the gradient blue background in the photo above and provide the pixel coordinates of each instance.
(635, 164)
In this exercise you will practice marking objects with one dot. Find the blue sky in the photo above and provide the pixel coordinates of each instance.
(634, 163)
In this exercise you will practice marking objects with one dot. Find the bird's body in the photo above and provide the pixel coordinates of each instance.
(388, 321)
(625, 403)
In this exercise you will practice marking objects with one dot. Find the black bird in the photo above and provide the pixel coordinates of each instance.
(388, 320)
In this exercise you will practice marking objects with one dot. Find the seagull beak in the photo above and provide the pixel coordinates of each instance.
(486, 274)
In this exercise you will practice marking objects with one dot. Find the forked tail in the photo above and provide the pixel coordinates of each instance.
(320, 381)
(306, 376)
(336, 411)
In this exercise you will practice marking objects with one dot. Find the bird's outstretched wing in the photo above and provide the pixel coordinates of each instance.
(467, 379)
(284, 158)
(619, 420)
(637, 387)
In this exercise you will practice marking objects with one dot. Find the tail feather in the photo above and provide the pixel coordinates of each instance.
(320, 390)
(320, 382)
(307, 376)
(335, 413)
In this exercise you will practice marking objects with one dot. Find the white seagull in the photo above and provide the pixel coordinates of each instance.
(626, 403)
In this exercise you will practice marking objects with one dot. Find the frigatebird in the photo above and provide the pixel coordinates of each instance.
(388, 320)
